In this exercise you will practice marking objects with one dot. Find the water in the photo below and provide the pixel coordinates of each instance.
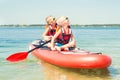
(96, 39)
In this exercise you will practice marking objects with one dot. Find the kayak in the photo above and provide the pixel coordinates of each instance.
(72, 59)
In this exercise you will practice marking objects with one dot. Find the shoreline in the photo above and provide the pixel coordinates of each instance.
(80, 25)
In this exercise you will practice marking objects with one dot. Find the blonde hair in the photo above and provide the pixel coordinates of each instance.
(60, 19)
(49, 19)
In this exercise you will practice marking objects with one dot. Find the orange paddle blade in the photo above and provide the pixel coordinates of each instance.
(17, 57)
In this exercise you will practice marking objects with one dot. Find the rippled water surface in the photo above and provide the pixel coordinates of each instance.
(96, 39)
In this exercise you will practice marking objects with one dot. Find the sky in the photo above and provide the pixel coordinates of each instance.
(78, 11)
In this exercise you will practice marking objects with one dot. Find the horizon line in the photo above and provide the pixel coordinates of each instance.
(45, 24)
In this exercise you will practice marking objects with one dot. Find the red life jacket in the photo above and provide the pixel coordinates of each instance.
(52, 31)
(64, 38)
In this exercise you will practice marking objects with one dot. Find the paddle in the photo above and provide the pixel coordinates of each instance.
(19, 56)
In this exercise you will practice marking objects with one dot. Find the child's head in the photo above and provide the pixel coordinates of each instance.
(63, 20)
(50, 19)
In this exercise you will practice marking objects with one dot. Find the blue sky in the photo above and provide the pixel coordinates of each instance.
(78, 11)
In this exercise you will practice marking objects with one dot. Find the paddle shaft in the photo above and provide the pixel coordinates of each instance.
(38, 46)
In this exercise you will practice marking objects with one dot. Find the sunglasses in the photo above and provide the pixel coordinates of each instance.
(66, 18)
(53, 18)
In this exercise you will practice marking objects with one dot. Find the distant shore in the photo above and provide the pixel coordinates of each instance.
(81, 25)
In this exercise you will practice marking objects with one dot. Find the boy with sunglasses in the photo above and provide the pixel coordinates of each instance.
(63, 36)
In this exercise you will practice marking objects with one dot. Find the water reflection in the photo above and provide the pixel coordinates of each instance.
(52, 72)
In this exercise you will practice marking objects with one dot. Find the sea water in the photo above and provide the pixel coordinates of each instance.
(95, 39)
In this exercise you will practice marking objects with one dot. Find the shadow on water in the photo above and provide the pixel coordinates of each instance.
(52, 72)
